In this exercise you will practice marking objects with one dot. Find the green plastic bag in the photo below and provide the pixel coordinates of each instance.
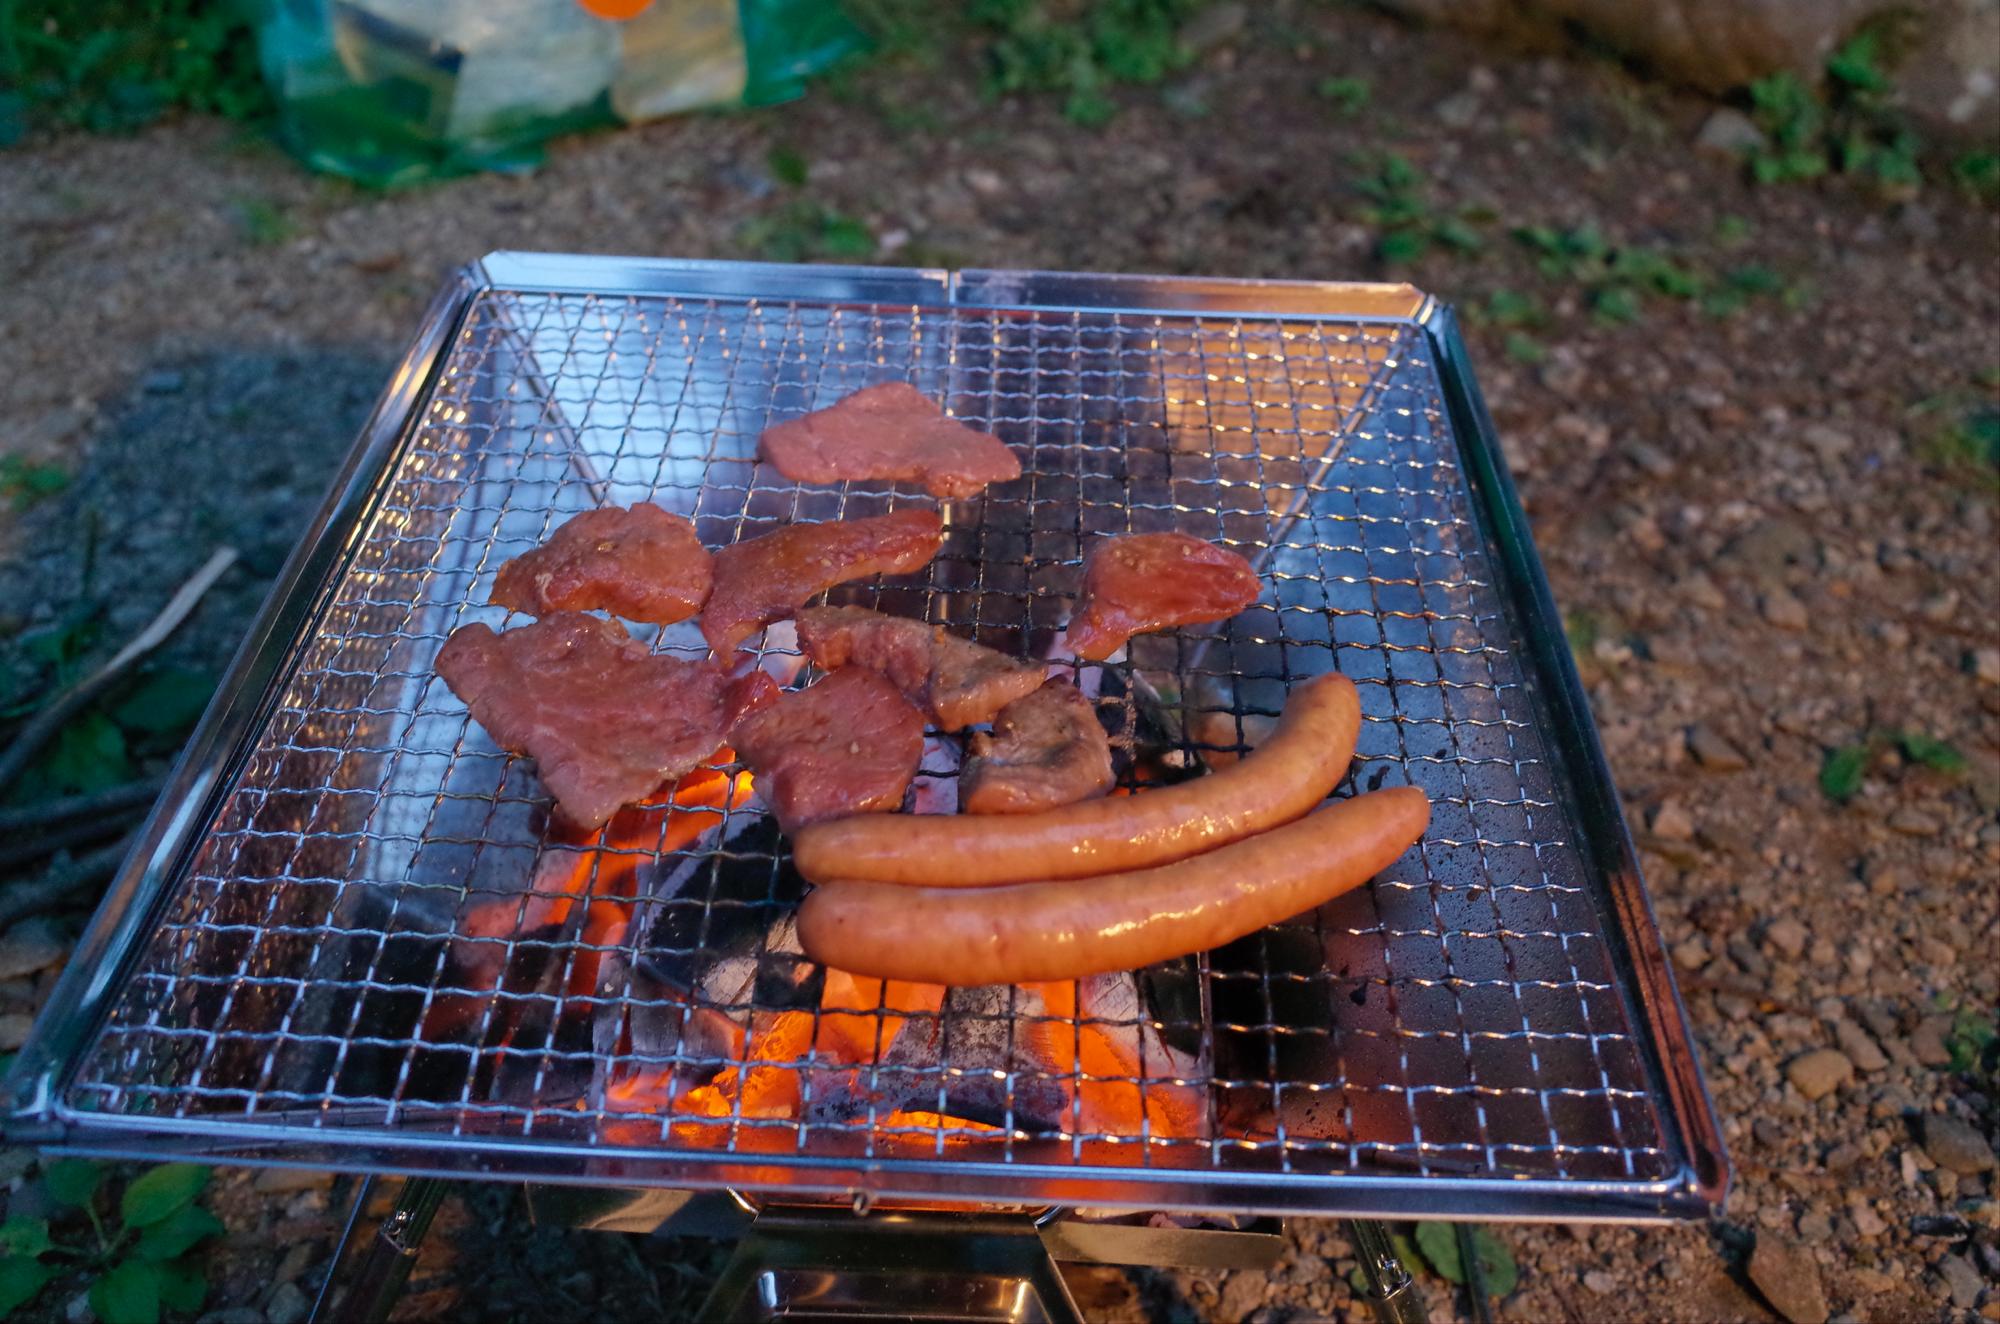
(390, 92)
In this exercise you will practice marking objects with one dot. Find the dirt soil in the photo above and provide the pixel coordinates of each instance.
(1752, 522)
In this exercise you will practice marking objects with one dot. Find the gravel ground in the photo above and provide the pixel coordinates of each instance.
(1763, 552)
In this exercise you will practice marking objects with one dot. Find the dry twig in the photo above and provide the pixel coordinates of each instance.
(44, 724)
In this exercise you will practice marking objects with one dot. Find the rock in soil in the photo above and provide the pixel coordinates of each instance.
(1961, 1279)
(1930, 1042)
(14, 1027)
(1785, 611)
(31, 946)
(1785, 1273)
(288, 1305)
(1715, 751)
(289, 1181)
(1861, 1049)
(1820, 1072)
(1788, 936)
(1730, 131)
(1956, 1145)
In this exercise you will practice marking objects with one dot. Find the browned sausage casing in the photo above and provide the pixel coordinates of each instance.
(1079, 927)
(1283, 778)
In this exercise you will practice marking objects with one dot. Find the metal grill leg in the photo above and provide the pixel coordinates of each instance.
(1392, 1292)
(370, 1293)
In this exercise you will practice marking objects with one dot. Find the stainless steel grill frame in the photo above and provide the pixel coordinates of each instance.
(1490, 1030)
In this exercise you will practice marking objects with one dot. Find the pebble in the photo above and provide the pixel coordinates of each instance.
(1830, 442)
(1929, 1042)
(1956, 1145)
(297, 1260)
(1729, 131)
(30, 946)
(1941, 607)
(1788, 936)
(1984, 664)
(1914, 822)
(1652, 459)
(1866, 1221)
(288, 1305)
(1702, 592)
(1600, 1282)
(1785, 1273)
(1885, 879)
(1243, 1293)
(1961, 1279)
(1859, 1045)
(1672, 822)
(285, 1181)
(1820, 1072)
(1713, 750)
(14, 1027)
(1460, 110)
(1212, 26)
(1785, 611)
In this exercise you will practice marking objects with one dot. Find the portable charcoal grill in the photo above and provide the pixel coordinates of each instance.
(349, 936)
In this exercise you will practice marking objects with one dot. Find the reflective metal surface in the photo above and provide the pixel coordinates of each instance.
(352, 936)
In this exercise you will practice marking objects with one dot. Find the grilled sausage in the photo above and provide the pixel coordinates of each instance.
(1079, 927)
(1283, 778)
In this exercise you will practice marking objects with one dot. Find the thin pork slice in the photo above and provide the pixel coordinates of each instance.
(956, 682)
(891, 432)
(1045, 751)
(605, 721)
(643, 564)
(761, 580)
(1140, 582)
(848, 745)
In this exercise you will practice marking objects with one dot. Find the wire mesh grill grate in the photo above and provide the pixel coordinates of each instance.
(382, 931)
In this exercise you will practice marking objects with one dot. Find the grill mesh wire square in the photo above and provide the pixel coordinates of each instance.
(367, 939)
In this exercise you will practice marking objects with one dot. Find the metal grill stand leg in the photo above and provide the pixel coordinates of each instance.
(371, 1292)
(1392, 1292)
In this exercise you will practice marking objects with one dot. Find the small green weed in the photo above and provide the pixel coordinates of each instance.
(1846, 767)
(24, 482)
(1512, 308)
(1974, 1044)
(1407, 223)
(1433, 1248)
(263, 222)
(116, 65)
(1971, 442)
(1978, 173)
(1841, 775)
(1617, 278)
(1620, 279)
(1517, 314)
(807, 231)
(1348, 96)
(148, 714)
(1738, 286)
(1958, 431)
(787, 166)
(1037, 46)
(141, 1260)
(1794, 124)
(1732, 232)
(1849, 127)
